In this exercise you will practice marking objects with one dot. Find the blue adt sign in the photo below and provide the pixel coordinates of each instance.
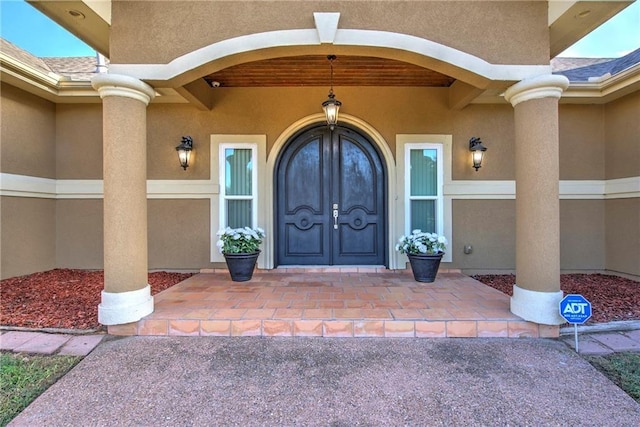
(575, 308)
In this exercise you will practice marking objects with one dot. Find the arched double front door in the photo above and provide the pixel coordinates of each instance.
(330, 200)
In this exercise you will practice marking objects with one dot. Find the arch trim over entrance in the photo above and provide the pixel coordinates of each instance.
(404, 47)
(274, 153)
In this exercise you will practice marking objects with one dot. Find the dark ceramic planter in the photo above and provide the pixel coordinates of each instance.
(241, 266)
(425, 267)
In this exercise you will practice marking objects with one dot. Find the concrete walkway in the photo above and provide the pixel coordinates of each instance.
(256, 381)
(603, 343)
(594, 343)
(49, 343)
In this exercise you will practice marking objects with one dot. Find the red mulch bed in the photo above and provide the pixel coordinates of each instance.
(63, 298)
(612, 298)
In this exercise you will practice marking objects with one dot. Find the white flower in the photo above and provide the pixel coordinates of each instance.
(419, 242)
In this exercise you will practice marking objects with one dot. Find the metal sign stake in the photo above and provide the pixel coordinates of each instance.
(575, 309)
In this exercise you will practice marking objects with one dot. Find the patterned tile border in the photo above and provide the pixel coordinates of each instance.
(340, 328)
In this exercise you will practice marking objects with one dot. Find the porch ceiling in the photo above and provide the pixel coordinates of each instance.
(314, 70)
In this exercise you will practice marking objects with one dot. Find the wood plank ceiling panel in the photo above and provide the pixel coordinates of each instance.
(314, 70)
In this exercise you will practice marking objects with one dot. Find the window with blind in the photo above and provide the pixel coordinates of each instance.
(238, 183)
(423, 187)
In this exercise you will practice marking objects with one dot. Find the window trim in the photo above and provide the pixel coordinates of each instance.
(446, 141)
(222, 168)
(439, 197)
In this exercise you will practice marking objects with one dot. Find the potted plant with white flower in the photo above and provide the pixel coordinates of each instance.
(425, 251)
(240, 247)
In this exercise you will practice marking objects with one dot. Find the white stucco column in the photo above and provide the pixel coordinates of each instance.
(127, 295)
(537, 293)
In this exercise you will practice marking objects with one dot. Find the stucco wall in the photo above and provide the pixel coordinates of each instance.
(622, 136)
(79, 233)
(179, 234)
(79, 141)
(495, 126)
(489, 226)
(500, 32)
(582, 147)
(251, 111)
(623, 235)
(27, 133)
(28, 235)
(582, 235)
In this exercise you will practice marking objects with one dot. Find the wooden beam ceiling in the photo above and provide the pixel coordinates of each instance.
(314, 70)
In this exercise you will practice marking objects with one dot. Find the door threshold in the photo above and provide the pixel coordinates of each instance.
(332, 268)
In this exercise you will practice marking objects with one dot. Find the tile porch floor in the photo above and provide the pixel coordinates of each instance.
(333, 302)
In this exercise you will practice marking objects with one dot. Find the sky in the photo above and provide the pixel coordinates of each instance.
(29, 29)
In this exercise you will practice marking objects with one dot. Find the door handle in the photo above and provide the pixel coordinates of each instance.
(335, 216)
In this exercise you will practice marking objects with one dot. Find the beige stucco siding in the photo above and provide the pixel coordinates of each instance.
(512, 32)
(582, 235)
(28, 235)
(623, 235)
(79, 239)
(622, 136)
(494, 125)
(404, 111)
(582, 147)
(269, 111)
(489, 227)
(179, 233)
(79, 141)
(27, 133)
(166, 125)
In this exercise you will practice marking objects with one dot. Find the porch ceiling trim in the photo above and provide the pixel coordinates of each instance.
(411, 49)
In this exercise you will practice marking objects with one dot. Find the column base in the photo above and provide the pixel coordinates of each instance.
(125, 307)
(536, 306)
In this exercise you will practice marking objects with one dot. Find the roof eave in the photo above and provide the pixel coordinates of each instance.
(578, 20)
(604, 91)
(89, 26)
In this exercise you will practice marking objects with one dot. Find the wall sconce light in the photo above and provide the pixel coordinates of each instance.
(184, 151)
(331, 106)
(477, 151)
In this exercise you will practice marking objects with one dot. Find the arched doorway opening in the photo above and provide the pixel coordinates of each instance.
(330, 199)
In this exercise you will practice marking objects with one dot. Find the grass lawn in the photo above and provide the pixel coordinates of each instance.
(25, 377)
(621, 368)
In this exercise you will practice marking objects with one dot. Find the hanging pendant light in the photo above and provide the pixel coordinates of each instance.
(331, 106)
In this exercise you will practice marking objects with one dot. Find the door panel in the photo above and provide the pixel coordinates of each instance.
(319, 169)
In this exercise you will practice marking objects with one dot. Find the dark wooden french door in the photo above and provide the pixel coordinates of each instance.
(330, 200)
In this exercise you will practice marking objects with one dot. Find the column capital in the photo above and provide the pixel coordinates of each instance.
(544, 86)
(124, 86)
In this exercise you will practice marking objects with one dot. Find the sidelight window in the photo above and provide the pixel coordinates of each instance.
(423, 187)
(238, 179)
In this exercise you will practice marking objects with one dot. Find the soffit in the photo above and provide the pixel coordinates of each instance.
(79, 19)
(314, 70)
(576, 21)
